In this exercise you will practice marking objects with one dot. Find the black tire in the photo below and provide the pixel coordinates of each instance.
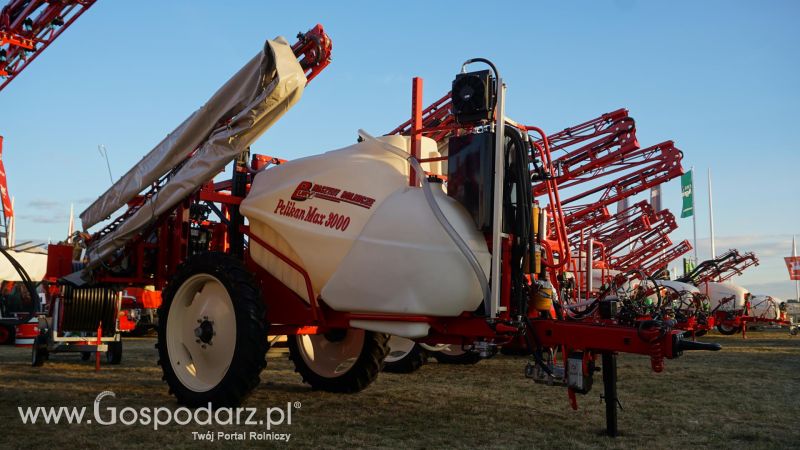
(406, 362)
(700, 333)
(39, 350)
(728, 331)
(114, 353)
(251, 344)
(85, 356)
(465, 359)
(363, 371)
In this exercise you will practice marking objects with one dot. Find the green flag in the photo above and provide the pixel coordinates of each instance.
(687, 192)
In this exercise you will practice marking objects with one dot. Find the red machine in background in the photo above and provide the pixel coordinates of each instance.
(89, 322)
(720, 269)
(28, 27)
(636, 238)
(662, 259)
(620, 227)
(731, 313)
(139, 312)
(647, 168)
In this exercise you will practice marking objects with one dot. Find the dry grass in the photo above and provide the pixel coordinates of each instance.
(746, 395)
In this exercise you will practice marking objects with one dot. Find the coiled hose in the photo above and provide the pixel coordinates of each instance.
(85, 308)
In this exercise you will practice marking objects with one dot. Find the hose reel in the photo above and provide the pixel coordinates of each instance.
(85, 308)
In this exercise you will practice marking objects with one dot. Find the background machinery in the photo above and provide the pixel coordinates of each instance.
(732, 306)
(27, 28)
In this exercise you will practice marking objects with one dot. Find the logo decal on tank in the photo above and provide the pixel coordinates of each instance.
(306, 190)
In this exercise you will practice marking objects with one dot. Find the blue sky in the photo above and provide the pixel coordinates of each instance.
(720, 78)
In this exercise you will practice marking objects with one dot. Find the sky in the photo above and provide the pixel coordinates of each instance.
(720, 78)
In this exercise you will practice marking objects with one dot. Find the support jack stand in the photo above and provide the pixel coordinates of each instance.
(610, 392)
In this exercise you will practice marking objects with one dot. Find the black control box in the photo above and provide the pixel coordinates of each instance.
(470, 175)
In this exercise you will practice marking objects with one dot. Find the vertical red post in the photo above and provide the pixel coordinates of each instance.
(416, 125)
(99, 341)
(579, 272)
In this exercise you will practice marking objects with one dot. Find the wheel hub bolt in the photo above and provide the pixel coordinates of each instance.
(204, 332)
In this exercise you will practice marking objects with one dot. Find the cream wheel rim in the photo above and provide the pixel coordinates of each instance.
(201, 332)
(399, 348)
(331, 358)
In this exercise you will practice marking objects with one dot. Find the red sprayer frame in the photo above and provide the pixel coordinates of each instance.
(23, 37)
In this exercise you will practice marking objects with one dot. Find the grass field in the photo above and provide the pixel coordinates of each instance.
(747, 395)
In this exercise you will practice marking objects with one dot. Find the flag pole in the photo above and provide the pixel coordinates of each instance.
(694, 218)
(71, 226)
(797, 282)
(711, 216)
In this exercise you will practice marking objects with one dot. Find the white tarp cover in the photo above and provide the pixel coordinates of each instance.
(254, 99)
(33, 263)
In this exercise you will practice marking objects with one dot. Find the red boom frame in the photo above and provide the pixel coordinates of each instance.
(24, 34)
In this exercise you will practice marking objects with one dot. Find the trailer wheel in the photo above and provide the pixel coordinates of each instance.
(456, 355)
(405, 356)
(212, 336)
(339, 361)
(728, 331)
(114, 353)
(39, 350)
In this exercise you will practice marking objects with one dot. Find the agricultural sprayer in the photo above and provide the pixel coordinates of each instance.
(434, 234)
(733, 307)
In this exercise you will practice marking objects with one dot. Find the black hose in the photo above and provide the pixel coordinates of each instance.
(84, 308)
(488, 63)
(517, 212)
(26, 280)
(535, 346)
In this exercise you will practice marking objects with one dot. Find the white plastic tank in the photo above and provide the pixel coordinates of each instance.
(765, 306)
(717, 292)
(369, 242)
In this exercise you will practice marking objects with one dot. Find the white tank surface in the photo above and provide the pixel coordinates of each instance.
(717, 292)
(765, 306)
(368, 241)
